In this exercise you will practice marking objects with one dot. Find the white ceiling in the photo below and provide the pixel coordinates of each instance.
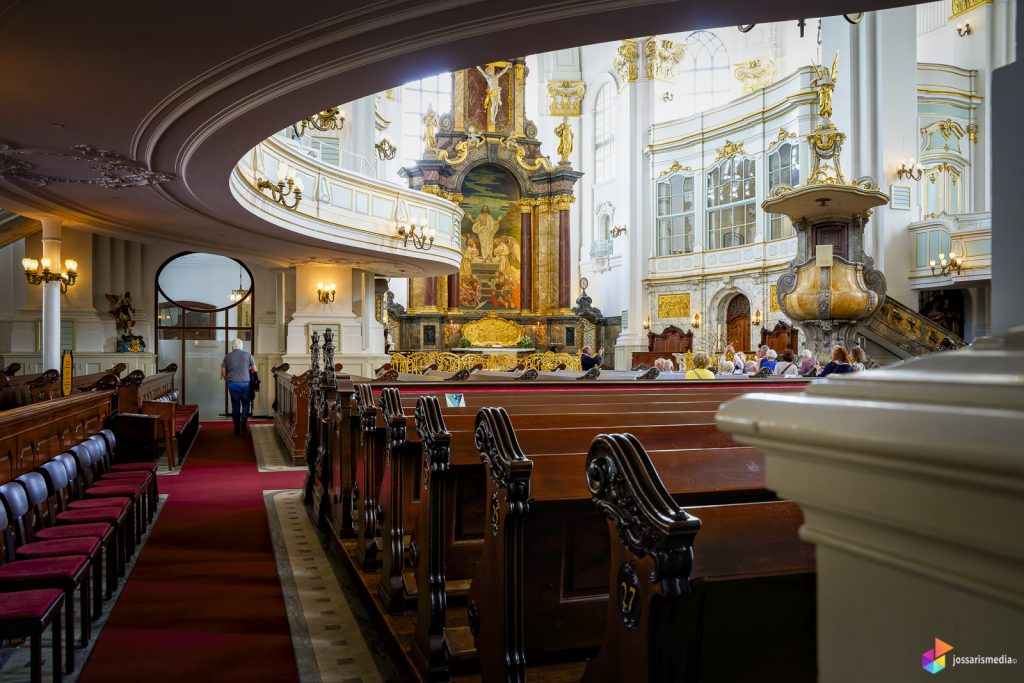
(189, 87)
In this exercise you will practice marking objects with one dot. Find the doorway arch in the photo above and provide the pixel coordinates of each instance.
(737, 322)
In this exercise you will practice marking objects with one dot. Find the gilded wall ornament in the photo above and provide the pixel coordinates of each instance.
(825, 83)
(662, 57)
(674, 305)
(564, 133)
(729, 150)
(675, 168)
(773, 299)
(493, 331)
(566, 97)
(430, 130)
(755, 74)
(626, 62)
(972, 132)
(959, 7)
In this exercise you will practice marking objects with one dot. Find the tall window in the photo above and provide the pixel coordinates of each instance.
(783, 169)
(675, 215)
(704, 74)
(432, 92)
(731, 205)
(604, 134)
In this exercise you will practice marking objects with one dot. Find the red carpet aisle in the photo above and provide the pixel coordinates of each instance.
(204, 602)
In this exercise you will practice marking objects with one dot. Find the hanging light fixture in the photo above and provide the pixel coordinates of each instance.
(328, 119)
(240, 293)
(287, 185)
(35, 276)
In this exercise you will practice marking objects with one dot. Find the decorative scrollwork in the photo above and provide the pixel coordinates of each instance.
(592, 373)
(627, 489)
(460, 376)
(499, 450)
(435, 437)
(394, 417)
(528, 374)
(367, 411)
(133, 378)
(649, 373)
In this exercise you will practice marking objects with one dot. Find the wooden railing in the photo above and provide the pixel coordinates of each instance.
(291, 411)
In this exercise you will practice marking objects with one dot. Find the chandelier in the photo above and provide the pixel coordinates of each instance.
(947, 266)
(240, 293)
(287, 185)
(35, 276)
(328, 119)
(386, 149)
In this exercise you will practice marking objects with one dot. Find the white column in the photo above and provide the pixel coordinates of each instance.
(51, 294)
(640, 96)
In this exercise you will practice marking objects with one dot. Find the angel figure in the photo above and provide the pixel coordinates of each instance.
(825, 84)
(492, 98)
(429, 126)
(122, 311)
(564, 133)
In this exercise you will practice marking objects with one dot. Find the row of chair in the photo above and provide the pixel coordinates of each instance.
(61, 524)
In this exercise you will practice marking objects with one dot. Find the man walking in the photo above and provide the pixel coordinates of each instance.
(235, 369)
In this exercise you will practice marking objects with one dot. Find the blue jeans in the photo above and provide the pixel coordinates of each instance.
(240, 403)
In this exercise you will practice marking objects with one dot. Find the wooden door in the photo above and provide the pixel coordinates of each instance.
(737, 318)
(834, 234)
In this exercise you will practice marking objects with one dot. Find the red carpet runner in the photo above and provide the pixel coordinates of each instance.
(204, 602)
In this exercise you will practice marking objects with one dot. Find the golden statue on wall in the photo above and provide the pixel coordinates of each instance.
(825, 84)
(492, 97)
(564, 133)
(429, 128)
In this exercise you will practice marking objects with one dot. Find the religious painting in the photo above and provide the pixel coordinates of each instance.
(490, 274)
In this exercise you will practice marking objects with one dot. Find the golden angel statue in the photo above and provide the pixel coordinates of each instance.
(564, 133)
(492, 98)
(825, 84)
(429, 128)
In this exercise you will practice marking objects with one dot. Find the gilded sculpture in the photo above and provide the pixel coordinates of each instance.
(825, 83)
(493, 331)
(566, 97)
(626, 62)
(430, 130)
(492, 96)
(564, 133)
(674, 305)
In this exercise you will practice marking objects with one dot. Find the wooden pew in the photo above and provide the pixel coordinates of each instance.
(155, 395)
(107, 379)
(23, 390)
(291, 411)
(31, 435)
(719, 592)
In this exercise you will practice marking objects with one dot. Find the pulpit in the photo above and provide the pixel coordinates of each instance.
(666, 344)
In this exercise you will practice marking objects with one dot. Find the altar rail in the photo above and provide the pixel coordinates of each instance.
(418, 362)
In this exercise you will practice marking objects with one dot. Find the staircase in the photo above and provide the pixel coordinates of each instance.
(14, 227)
(902, 332)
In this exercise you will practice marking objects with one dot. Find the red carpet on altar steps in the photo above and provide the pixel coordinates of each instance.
(204, 602)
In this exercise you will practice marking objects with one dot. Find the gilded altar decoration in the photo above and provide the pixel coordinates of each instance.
(566, 97)
(773, 299)
(676, 167)
(430, 130)
(755, 74)
(419, 362)
(662, 57)
(492, 94)
(627, 62)
(437, 191)
(511, 143)
(564, 133)
(959, 7)
(493, 331)
(674, 305)
(729, 150)
(825, 84)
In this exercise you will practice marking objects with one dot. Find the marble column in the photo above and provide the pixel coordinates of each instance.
(430, 292)
(564, 267)
(526, 258)
(453, 291)
(51, 293)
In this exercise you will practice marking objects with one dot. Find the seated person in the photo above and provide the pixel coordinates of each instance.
(785, 367)
(749, 368)
(728, 354)
(739, 363)
(839, 365)
(807, 363)
(588, 360)
(659, 363)
(859, 359)
(762, 353)
(727, 369)
(769, 360)
(669, 365)
(700, 367)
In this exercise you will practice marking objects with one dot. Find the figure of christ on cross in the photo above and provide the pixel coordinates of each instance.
(492, 98)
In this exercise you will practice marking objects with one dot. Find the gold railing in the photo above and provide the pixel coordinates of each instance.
(417, 362)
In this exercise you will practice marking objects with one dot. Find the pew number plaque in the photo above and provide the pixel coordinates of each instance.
(629, 587)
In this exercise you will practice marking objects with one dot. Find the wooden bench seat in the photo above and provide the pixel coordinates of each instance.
(155, 395)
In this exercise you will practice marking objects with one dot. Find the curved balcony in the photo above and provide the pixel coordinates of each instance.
(968, 234)
(355, 212)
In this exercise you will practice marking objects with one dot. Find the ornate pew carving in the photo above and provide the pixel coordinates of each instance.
(367, 481)
(392, 532)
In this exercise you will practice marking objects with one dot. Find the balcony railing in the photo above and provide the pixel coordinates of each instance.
(967, 234)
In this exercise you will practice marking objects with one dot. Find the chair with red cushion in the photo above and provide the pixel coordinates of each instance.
(105, 442)
(91, 454)
(59, 491)
(108, 436)
(15, 501)
(42, 517)
(64, 573)
(85, 486)
(26, 614)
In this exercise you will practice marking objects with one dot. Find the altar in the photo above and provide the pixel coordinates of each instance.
(493, 349)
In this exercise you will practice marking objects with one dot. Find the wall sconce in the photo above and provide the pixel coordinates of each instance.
(386, 150)
(757, 317)
(325, 294)
(647, 323)
(947, 266)
(909, 170)
(35, 276)
(963, 30)
(617, 230)
(695, 321)
(422, 237)
(328, 119)
(287, 185)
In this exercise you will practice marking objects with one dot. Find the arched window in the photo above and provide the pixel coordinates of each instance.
(432, 92)
(604, 134)
(704, 74)
(675, 215)
(731, 205)
(783, 169)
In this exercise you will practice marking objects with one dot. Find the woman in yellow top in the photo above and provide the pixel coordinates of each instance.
(700, 367)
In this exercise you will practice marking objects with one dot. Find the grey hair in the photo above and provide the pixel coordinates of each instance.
(728, 367)
(806, 353)
(238, 344)
(771, 353)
